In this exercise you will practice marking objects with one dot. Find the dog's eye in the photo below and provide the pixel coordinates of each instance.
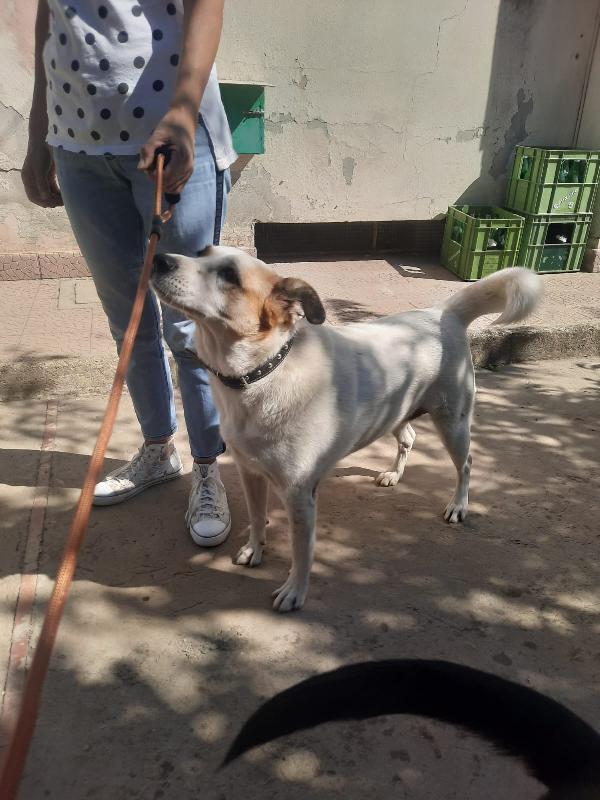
(229, 274)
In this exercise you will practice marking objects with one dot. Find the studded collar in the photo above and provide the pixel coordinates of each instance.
(244, 381)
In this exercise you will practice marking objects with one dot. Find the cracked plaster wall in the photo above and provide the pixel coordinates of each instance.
(589, 132)
(391, 114)
(395, 113)
(23, 227)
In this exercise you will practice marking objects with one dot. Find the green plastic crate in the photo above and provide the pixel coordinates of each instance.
(479, 240)
(554, 244)
(545, 181)
(244, 105)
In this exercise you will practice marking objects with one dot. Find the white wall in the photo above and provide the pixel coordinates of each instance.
(383, 110)
(393, 109)
(589, 132)
(23, 227)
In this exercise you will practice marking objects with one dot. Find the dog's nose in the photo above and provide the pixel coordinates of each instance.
(164, 263)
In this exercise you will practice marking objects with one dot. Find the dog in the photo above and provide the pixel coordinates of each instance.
(558, 748)
(294, 396)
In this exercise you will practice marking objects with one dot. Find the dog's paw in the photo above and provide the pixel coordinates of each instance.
(289, 597)
(455, 512)
(388, 478)
(249, 556)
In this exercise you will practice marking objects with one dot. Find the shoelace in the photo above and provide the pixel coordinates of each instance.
(138, 461)
(203, 499)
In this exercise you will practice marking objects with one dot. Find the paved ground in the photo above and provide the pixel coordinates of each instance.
(166, 649)
(54, 336)
(64, 316)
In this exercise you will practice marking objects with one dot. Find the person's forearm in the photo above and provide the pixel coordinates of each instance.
(38, 172)
(38, 117)
(203, 20)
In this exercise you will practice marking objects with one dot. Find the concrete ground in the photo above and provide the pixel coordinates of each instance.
(54, 337)
(166, 649)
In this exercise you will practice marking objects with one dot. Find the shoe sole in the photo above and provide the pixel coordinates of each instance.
(113, 500)
(211, 541)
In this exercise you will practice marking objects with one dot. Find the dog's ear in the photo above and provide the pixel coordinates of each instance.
(299, 299)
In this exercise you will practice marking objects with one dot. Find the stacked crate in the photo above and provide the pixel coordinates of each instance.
(554, 190)
(479, 240)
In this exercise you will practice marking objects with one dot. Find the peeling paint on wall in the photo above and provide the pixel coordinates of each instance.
(302, 80)
(274, 123)
(469, 134)
(319, 125)
(420, 105)
(348, 166)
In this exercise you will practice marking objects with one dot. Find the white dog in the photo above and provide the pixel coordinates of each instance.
(294, 398)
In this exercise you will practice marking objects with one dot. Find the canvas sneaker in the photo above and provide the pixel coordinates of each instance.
(152, 464)
(208, 514)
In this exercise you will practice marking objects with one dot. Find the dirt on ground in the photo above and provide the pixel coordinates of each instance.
(165, 649)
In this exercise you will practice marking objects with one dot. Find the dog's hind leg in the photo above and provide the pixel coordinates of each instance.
(256, 490)
(455, 432)
(405, 436)
(301, 509)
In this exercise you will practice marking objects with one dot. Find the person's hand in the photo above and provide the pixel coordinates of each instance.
(39, 176)
(177, 131)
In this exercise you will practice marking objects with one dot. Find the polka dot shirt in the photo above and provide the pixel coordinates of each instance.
(111, 69)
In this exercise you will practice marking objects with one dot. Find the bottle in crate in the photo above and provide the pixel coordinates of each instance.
(553, 181)
(479, 240)
(553, 243)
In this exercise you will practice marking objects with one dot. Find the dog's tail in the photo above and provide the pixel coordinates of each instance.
(555, 744)
(515, 292)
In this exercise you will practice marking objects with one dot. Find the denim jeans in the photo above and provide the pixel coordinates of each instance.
(109, 205)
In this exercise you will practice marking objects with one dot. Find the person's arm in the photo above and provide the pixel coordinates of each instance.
(37, 174)
(203, 20)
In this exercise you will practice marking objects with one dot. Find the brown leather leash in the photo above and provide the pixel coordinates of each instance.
(18, 747)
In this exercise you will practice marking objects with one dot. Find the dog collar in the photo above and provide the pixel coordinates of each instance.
(255, 375)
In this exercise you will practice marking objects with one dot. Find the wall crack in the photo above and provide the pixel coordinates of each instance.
(439, 36)
(8, 107)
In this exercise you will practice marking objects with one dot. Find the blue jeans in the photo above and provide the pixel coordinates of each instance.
(109, 204)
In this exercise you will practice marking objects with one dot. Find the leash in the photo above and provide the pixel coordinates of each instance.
(18, 747)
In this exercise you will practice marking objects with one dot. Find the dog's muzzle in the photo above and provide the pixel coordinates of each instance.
(163, 264)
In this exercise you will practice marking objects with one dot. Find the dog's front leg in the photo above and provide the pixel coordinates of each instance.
(256, 491)
(301, 510)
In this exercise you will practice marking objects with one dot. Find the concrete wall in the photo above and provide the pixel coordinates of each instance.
(379, 111)
(589, 137)
(23, 227)
(394, 113)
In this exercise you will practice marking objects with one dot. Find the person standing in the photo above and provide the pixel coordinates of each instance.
(114, 81)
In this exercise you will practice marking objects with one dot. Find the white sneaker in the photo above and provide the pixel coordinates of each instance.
(152, 464)
(208, 512)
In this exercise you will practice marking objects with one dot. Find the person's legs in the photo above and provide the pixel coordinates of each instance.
(110, 232)
(109, 203)
(195, 224)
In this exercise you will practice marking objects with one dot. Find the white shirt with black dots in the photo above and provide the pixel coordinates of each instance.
(111, 69)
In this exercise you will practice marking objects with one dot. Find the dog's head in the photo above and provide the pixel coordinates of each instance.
(227, 287)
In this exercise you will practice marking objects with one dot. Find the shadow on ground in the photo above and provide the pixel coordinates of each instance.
(165, 649)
